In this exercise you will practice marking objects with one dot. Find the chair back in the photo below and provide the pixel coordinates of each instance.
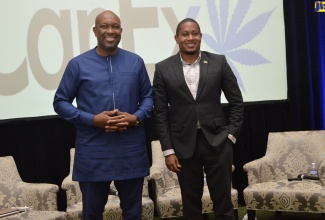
(169, 178)
(72, 152)
(293, 152)
(9, 177)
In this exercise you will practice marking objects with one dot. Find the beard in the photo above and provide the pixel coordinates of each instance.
(110, 46)
(190, 52)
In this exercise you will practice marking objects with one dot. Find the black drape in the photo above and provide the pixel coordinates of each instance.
(305, 33)
(40, 146)
(304, 108)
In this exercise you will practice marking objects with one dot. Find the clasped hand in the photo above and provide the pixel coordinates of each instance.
(114, 120)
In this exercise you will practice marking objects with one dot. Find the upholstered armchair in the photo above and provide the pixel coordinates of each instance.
(112, 207)
(288, 155)
(41, 198)
(166, 189)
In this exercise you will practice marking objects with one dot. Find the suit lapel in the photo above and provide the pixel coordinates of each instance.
(203, 73)
(178, 70)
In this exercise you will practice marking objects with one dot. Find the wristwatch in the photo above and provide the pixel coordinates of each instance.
(137, 123)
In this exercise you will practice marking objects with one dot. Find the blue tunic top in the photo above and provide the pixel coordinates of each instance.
(101, 83)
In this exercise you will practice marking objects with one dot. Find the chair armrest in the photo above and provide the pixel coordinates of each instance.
(72, 189)
(261, 170)
(163, 178)
(155, 172)
(321, 168)
(40, 196)
(145, 190)
(156, 179)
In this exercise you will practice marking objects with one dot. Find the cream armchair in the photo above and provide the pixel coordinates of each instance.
(288, 155)
(112, 207)
(166, 190)
(41, 198)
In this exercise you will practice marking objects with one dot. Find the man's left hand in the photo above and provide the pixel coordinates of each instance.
(121, 124)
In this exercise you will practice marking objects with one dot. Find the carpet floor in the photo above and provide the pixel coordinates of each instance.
(269, 215)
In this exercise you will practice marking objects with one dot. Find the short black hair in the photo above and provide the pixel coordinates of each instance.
(187, 20)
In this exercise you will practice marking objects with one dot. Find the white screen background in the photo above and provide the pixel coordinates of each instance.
(39, 38)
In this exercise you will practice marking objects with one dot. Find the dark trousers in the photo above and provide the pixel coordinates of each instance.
(217, 165)
(95, 195)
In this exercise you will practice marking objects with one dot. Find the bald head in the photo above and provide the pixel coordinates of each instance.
(108, 33)
(104, 14)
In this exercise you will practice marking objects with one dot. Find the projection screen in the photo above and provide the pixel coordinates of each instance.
(39, 38)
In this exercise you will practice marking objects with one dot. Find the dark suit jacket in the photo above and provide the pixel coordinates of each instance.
(177, 112)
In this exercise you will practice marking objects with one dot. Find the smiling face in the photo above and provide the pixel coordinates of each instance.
(188, 37)
(108, 33)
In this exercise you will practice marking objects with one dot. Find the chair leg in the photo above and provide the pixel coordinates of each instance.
(323, 215)
(277, 213)
(236, 214)
(251, 214)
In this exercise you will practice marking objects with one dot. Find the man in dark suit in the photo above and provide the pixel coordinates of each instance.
(195, 135)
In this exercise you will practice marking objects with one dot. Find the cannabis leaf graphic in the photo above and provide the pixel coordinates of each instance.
(228, 36)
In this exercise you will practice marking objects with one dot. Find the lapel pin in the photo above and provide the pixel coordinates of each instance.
(205, 61)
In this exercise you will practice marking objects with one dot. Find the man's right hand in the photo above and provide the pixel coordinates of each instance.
(172, 163)
(100, 120)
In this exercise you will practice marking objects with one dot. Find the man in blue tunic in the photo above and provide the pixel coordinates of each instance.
(113, 95)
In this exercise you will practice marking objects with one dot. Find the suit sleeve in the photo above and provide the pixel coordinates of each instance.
(234, 97)
(161, 109)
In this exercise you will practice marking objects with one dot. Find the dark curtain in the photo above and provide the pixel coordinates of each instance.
(40, 146)
(305, 36)
(304, 109)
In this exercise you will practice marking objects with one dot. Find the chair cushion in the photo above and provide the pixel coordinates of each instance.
(112, 209)
(38, 215)
(15, 192)
(297, 196)
(168, 203)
